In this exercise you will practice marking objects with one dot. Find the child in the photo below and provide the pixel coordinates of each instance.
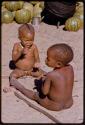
(25, 54)
(58, 84)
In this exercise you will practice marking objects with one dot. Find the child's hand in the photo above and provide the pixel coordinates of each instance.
(25, 50)
(37, 65)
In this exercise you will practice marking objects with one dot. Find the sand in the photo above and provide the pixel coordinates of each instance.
(14, 110)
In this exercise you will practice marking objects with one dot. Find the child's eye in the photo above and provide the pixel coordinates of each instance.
(26, 40)
(47, 59)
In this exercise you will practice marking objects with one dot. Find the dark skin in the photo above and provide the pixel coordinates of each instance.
(28, 50)
(26, 57)
(57, 86)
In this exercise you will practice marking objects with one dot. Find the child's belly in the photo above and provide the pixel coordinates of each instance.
(25, 64)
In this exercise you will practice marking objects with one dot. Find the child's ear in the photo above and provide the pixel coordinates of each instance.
(59, 64)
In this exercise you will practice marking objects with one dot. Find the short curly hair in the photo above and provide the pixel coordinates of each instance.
(27, 28)
(63, 51)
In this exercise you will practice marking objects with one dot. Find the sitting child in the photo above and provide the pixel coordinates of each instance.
(25, 54)
(58, 84)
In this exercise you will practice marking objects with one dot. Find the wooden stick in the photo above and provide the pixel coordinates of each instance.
(37, 108)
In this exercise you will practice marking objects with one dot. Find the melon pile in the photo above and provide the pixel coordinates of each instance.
(77, 21)
(20, 11)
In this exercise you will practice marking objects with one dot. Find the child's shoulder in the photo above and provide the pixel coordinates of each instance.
(34, 46)
(70, 67)
(52, 74)
(17, 44)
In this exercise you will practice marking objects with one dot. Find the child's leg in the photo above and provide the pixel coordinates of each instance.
(49, 104)
(17, 73)
(22, 89)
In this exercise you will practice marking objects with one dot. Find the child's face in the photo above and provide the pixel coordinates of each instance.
(26, 39)
(53, 61)
(50, 60)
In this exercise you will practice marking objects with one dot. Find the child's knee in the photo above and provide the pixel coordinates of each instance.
(12, 75)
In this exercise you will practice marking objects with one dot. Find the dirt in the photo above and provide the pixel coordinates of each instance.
(14, 110)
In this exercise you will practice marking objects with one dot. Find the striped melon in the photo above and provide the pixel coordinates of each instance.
(28, 6)
(3, 3)
(21, 3)
(80, 9)
(22, 16)
(3, 9)
(13, 5)
(34, 2)
(81, 17)
(7, 17)
(42, 4)
(79, 4)
(73, 24)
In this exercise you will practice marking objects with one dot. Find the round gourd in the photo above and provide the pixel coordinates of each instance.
(7, 17)
(21, 3)
(81, 17)
(3, 9)
(13, 13)
(79, 4)
(80, 9)
(42, 4)
(13, 5)
(73, 24)
(3, 3)
(28, 6)
(22, 16)
(34, 2)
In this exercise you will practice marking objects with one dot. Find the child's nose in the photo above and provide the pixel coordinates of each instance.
(46, 60)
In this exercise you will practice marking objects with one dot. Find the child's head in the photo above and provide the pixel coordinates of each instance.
(59, 55)
(26, 34)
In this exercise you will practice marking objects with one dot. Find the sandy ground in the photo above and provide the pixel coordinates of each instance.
(14, 110)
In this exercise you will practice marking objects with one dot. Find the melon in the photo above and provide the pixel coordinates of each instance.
(21, 3)
(42, 4)
(3, 3)
(7, 17)
(34, 2)
(28, 6)
(3, 9)
(23, 16)
(79, 4)
(73, 24)
(80, 9)
(13, 5)
(81, 17)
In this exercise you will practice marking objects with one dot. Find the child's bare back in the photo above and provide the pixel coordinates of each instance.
(61, 84)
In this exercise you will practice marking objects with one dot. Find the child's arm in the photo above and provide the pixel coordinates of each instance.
(46, 85)
(36, 53)
(16, 52)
